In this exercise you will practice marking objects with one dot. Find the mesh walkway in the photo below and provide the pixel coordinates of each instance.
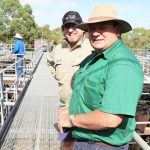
(32, 127)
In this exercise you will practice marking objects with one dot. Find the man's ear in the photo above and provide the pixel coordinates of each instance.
(118, 31)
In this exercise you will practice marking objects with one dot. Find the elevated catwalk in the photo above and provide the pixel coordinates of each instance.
(32, 127)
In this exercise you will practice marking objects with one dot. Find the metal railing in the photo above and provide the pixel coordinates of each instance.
(4, 48)
(144, 58)
(140, 141)
(145, 62)
(30, 61)
(12, 85)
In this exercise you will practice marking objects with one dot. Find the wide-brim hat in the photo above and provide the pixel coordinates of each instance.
(18, 36)
(71, 17)
(103, 13)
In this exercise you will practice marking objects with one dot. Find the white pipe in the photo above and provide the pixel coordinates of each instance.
(140, 141)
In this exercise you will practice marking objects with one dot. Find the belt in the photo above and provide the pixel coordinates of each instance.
(100, 143)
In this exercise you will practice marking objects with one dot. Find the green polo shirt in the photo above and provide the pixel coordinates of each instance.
(111, 82)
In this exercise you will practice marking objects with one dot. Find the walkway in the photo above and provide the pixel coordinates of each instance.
(32, 127)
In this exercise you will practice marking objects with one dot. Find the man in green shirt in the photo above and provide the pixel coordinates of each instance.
(107, 86)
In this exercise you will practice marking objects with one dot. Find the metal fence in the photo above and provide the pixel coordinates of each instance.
(5, 48)
(10, 94)
(12, 85)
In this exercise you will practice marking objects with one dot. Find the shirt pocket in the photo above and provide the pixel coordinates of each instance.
(59, 71)
(93, 92)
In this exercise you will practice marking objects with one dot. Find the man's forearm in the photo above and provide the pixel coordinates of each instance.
(97, 120)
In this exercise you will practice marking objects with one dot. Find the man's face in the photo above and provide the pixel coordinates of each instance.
(73, 34)
(103, 35)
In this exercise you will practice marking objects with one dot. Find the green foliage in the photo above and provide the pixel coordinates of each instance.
(55, 35)
(138, 38)
(16, 18)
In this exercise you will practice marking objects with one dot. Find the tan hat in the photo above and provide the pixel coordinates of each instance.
(18, 36)
(105, 12)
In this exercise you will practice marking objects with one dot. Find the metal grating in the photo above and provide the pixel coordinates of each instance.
(33, 125)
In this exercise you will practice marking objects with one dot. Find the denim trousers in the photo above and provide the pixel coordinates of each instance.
(95, 146)
(19, 65)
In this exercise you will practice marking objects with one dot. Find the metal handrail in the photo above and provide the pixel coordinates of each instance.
(34, 61)
(140, 141)
(14, 87)
(145, 122)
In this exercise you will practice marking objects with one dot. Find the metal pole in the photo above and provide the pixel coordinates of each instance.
(1, 99)
(140, 141)
(24, 69)
(16, 78)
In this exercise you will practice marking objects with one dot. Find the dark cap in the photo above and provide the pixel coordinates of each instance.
(71, 17)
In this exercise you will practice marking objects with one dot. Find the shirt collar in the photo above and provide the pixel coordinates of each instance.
(108, 52)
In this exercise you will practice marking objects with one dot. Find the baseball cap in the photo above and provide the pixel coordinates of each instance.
(71, 17)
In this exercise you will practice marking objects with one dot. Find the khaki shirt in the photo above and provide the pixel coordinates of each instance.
(64, 62)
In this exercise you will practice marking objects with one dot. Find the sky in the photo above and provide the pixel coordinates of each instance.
(50, 12)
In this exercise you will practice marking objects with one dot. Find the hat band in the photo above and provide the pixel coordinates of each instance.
(100, 19)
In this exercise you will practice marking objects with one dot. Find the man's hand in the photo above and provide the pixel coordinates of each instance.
(63, 119)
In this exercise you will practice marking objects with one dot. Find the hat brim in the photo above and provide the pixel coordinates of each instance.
(125, 26)
(71, 22)
(18, 37)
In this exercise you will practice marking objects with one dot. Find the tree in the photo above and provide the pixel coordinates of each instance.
(57, 35)
(16, 18)
(138, 38)
(8, 9)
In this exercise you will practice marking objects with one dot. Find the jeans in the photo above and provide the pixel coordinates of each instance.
(19, 65)
(95, 146)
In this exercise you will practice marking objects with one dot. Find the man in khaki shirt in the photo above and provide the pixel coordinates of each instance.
(66, 57)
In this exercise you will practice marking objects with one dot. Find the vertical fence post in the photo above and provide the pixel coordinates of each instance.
(1, 99)
(16, 78)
